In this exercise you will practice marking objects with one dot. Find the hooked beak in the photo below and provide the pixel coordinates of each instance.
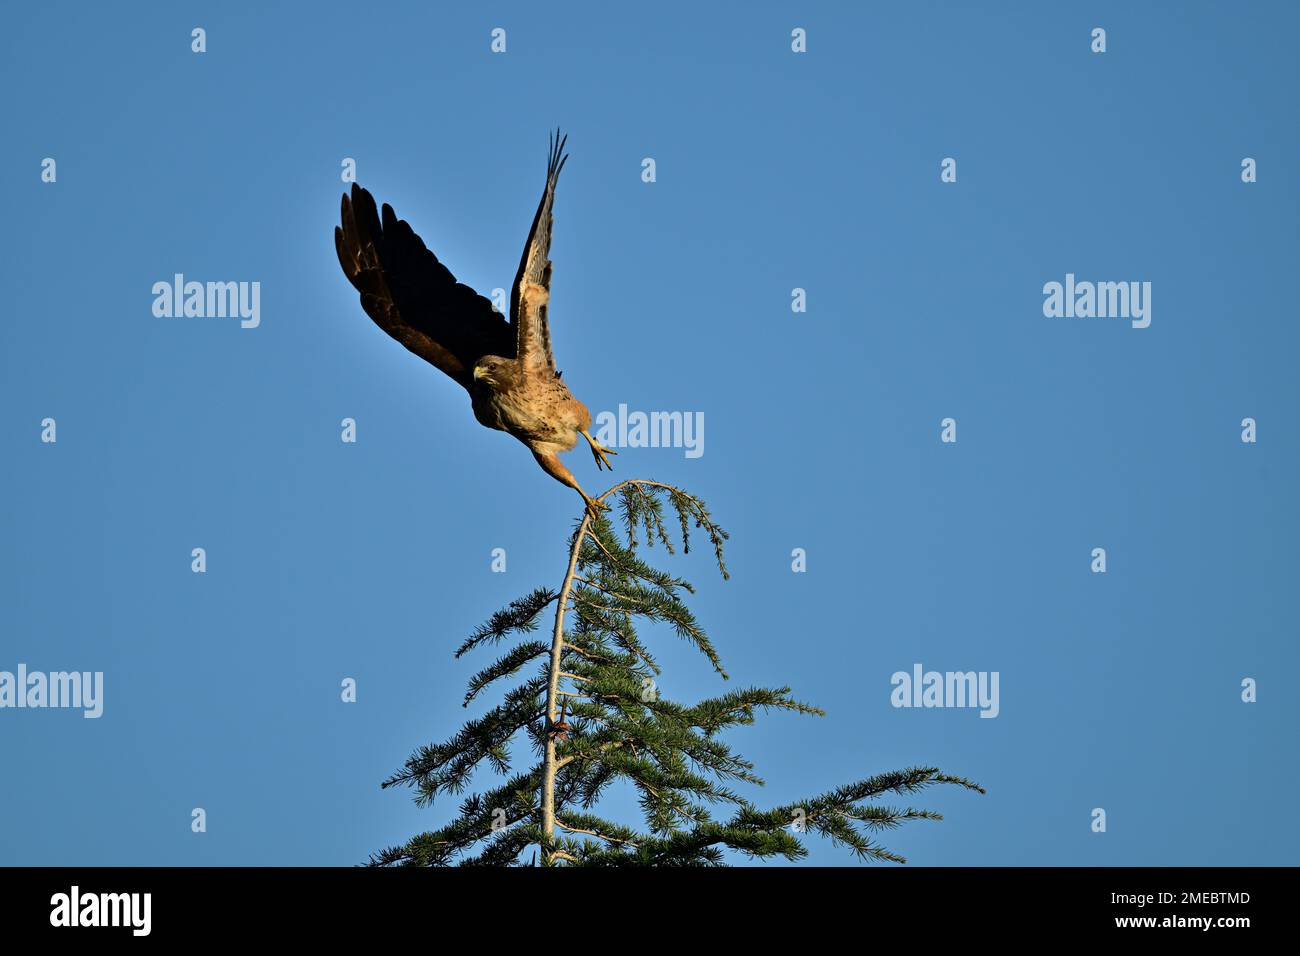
(478, 373)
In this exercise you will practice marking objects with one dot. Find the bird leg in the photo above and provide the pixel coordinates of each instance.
(599, 451)
(552, 465)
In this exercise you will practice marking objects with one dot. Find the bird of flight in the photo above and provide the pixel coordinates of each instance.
(506, 365)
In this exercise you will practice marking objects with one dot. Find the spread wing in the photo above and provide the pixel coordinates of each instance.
(414, 297)
(532, 289)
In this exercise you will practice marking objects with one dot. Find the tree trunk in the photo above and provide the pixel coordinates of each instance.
(553, 693)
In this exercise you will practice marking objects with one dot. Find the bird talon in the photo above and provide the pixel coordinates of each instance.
(599, 452)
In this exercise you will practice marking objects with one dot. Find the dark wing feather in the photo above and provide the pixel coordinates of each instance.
(532, 289)
(414, 297)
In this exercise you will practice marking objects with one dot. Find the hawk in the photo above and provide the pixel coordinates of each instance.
(506, 365)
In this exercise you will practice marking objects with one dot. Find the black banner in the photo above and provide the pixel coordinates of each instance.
(330, 905)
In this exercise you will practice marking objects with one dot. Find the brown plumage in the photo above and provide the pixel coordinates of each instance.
(506, 366)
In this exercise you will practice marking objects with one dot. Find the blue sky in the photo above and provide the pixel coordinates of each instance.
(774, 171)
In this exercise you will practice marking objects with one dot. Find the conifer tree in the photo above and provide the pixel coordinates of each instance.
(588, 711)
